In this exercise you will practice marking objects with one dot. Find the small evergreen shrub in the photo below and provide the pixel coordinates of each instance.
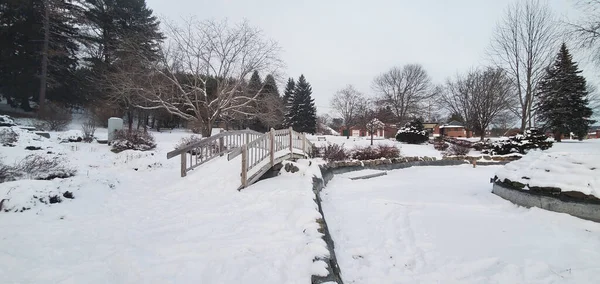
(412, 133)
(334, 152)
(533, 139)
(132, 140)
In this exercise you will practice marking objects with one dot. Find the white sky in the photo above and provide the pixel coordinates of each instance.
(339, 42)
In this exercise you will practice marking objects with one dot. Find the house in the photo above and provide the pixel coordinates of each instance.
(430, 127)
(389, 131)
(594, 132)
(451, 129)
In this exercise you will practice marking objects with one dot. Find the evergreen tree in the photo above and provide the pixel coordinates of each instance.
(303, 111)
(271, 108)
(21, 49)
(118, 32)
(288, 101)
(563, 103)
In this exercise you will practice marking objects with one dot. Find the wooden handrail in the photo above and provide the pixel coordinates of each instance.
(208, 140)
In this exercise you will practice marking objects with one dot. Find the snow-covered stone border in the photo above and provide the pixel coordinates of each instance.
(588, 211)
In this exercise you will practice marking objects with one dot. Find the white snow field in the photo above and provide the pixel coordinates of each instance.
(134, 220)
(443, 225)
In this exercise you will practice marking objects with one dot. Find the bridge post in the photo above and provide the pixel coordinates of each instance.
(272, 142)
(183, 164)
(291, 140)
(245, 165)
(304, 143)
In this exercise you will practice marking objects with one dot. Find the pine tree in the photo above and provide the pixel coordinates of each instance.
(21, 49)
(562, 98)
(303, 111)
(288, 101)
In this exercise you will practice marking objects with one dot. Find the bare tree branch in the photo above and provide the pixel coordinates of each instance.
(347, 102)
(405, 90)
(522, 45)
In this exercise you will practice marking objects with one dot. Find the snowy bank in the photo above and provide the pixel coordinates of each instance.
(555, 171)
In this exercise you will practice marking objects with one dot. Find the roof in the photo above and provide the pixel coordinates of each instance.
(453, 124)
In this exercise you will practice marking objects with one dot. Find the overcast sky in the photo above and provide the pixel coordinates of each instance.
(335, 43)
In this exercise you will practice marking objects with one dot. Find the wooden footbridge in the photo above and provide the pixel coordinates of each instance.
(259, 151)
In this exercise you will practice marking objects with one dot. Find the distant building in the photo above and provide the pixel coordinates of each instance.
(389, 131)
(451, 129)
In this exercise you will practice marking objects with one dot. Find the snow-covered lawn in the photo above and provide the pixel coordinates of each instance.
(442, 225)
(134, 220)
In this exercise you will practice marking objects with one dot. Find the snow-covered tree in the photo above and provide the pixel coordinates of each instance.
(374, 125)
(288, 100)
(413, 132)
(563, 103)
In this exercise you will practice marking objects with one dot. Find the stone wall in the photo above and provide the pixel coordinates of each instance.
(527, 198)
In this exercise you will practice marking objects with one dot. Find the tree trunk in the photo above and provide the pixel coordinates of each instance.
(206, 128)
(130, 119)
(371, 138)
(44, 71)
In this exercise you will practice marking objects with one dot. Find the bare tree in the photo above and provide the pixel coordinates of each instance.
(373, 126)
(587, 30)
(346, 102)
(202, 71)
(522, 45)
(406, 90)
(479, 97)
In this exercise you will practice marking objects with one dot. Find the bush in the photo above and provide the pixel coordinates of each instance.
(132, 140)
(412, 133)
(483, 146)
(53, 117)
(388, 152)
(365, 153)
(533, 139)
(88, 128)
(6, 120)
(185, 141)
(335, 152)
(375, 153)
(7, 173)
(44, 168)
(440, 145)
(103, 111)
(8, 137)
(457, 150)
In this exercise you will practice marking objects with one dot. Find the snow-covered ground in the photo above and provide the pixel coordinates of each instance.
(134, 220)
(442, 225)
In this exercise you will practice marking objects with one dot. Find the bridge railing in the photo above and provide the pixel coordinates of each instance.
(267, 146)
(200, 152)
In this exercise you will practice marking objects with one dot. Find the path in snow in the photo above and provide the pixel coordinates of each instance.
(443, 225)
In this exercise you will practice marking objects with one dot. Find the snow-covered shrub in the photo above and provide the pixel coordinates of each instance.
(375, 153)
(53, 117)
(483, 146)
(533, 139)
(186, 141)
(6, 120)
(88, 128)
(412, 133)
(388, 151)
(8, 137)
(70, 136)
(335, 152)
(439, 144)
(457, 150)
(43, 168)
(365, 153)
(7, 172)
(132, 140)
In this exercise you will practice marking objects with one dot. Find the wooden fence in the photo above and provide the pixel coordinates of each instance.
(207, 149)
